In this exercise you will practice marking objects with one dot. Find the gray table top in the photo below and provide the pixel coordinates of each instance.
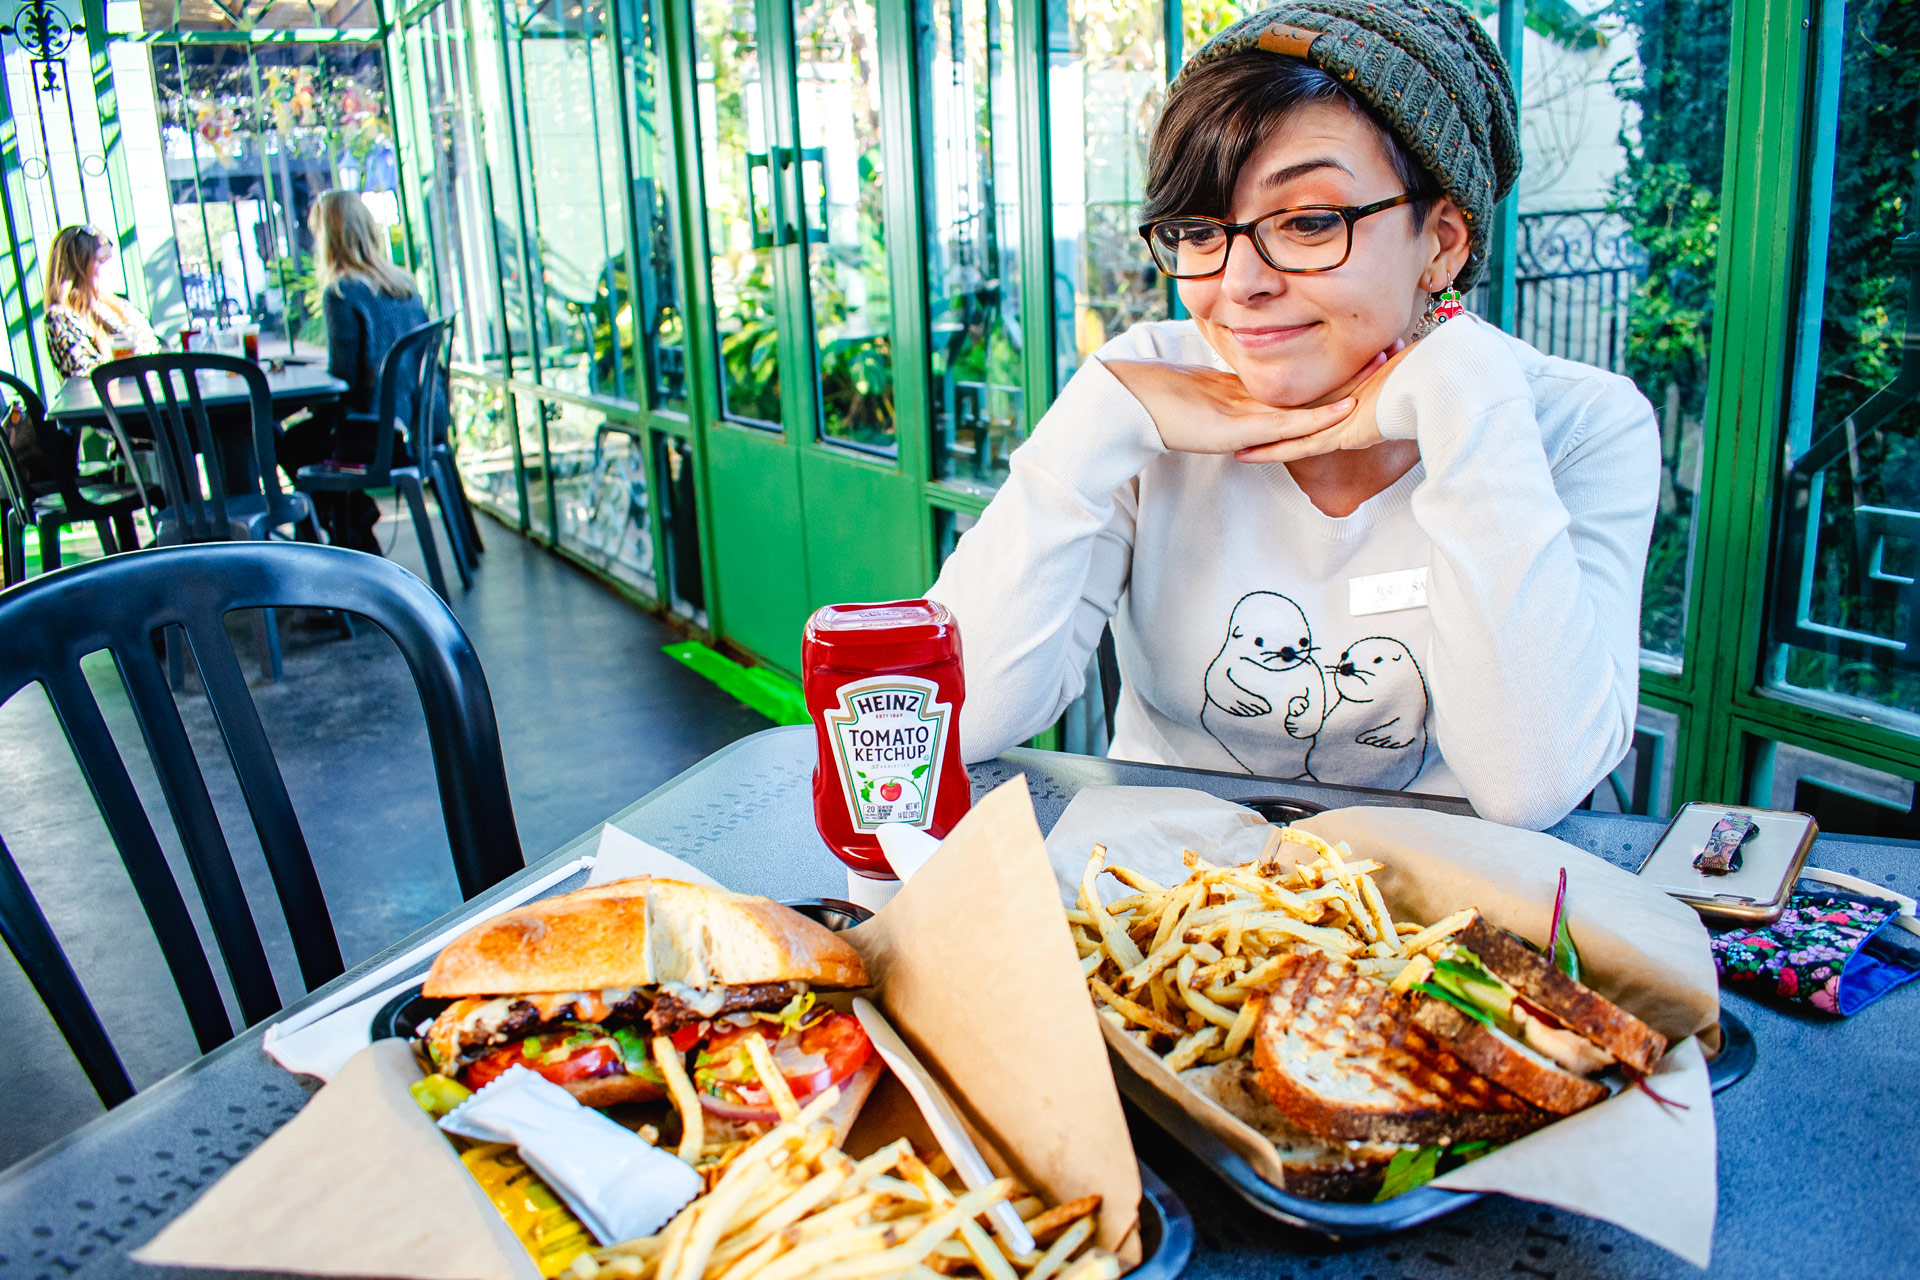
(1815, 1146)
(293, 386)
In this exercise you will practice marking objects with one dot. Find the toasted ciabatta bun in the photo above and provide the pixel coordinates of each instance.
(1342, 1057)
(642, 931)
(1578, 1007)
(1506, 1062)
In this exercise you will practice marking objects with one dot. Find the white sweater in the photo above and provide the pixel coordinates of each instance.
(1245, 643)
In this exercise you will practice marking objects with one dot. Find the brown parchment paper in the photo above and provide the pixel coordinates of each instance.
(1629, 1160)
(360, 1183)
(975, 968)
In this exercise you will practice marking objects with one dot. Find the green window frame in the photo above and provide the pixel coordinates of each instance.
(1715, 712)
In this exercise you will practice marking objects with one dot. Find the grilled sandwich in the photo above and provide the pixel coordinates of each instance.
(1503, 1009)
(1343, 1058)
(1317, 1168)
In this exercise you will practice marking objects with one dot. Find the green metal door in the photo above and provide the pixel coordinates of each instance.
(804, 163)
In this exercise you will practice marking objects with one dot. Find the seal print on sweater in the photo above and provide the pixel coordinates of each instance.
(1280, 713)
(1375, 733)
(1255, 633)
(1266, 667)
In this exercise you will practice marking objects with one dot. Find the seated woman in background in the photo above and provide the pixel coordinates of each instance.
(85, 319)
(368, 303)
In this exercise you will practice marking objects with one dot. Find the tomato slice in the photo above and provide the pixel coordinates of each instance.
(600, 1058)
(837, 1040)
(688, 1036)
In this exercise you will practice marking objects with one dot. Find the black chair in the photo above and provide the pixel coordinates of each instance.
(217, 468)
(217, 471)
(58, 494)
(415, 364)
(16, 508)
(448, 470)
(463, 531)
(50, 623)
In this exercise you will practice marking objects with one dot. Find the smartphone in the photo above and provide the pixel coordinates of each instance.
(1770, 862)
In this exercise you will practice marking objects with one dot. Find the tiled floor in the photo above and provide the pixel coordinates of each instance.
(592, 715)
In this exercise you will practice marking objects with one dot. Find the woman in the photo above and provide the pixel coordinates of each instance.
(368, 304)
(1337, 539)
(86, 320)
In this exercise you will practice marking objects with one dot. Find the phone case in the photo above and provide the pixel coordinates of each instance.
(1770, 862)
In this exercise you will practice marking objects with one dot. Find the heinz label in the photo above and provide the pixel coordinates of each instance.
(888, 734)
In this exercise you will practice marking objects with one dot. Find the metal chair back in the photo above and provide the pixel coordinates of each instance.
(16, 501)
(53, 462)
(415, 367)
(173, 412)
(49, 624)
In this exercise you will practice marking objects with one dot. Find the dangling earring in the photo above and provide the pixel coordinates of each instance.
(1446, 306)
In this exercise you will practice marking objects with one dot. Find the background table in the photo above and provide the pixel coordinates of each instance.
(1815, 1146)
(296, 387)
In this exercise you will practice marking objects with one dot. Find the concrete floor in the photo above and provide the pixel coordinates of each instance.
(592, 715)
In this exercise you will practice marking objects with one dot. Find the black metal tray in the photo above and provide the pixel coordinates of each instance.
(1166, 1228)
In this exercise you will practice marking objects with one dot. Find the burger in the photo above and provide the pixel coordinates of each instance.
(589, 989)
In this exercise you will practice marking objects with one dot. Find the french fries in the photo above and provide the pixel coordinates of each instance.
(1176, 967)
(790, 1205)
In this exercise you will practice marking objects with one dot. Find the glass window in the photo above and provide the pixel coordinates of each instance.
(735, 183)
(55, 143)
(843, 189)
(1845, 798)
(1847, 622)
(1643, 782)
(456, 198)
(512, 230)
(483, 421)
(575, 175)
(600, 492)
(531, 414)
(1106, 81)
(661, 323)
(674, 480)
(972, 164)
(1623, 124)
(250, 135)
(947, 528)
(1200, 19)
(213, 15)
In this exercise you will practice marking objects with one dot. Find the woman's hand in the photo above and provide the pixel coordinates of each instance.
(1201, 410)
(1357, 430)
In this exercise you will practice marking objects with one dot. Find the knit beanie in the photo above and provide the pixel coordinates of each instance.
(1431, 74)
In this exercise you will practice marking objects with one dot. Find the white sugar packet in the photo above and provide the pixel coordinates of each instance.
(617, 1183)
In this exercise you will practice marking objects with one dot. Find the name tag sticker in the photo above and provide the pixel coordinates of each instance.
(1387, 592)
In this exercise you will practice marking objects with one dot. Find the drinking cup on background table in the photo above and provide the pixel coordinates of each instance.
(123, 348)
(250, 342)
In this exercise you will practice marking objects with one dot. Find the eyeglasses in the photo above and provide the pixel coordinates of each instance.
(1300, 240)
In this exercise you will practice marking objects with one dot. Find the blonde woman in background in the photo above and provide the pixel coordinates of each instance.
(368, 303)
(85, 319)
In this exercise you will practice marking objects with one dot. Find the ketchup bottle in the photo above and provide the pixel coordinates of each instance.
(884, 686)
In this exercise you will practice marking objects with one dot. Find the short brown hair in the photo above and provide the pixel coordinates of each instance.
(1218, 114)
